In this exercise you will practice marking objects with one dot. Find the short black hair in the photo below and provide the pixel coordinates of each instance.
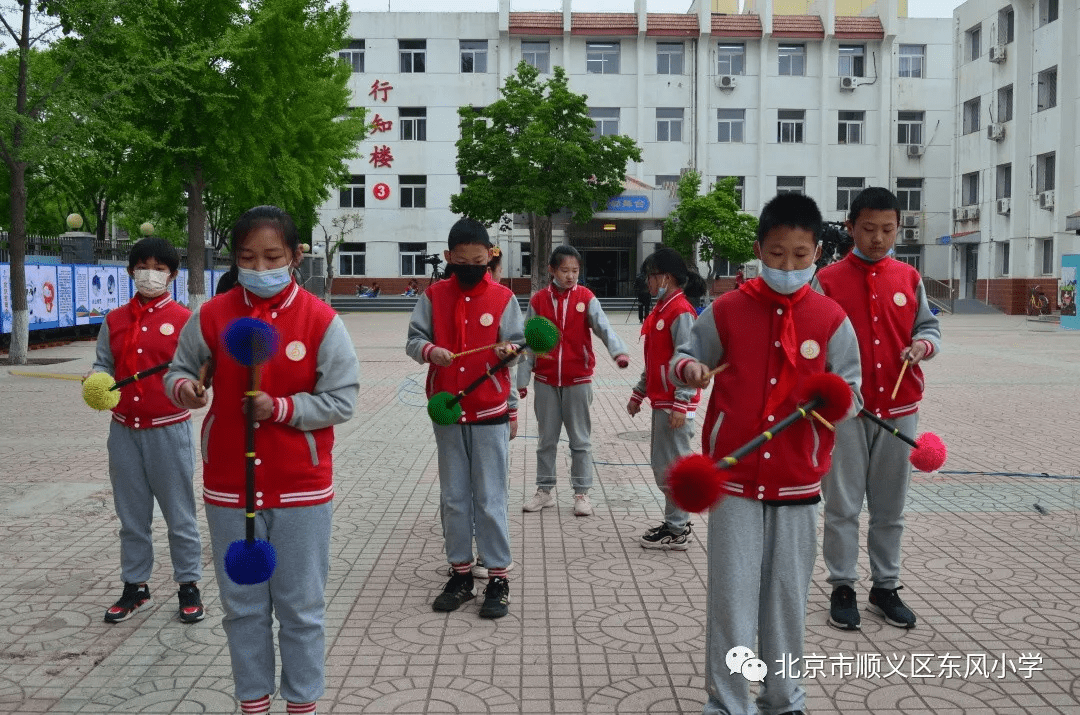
(157, 248)
(265, 216)
(874, 198)
(468, 231)
(563, 251)
(794, 210)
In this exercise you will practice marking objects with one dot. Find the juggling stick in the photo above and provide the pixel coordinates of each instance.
(714, 371)
(141, 374)
(480, 349)
(250, 342)
(52, 375)
(205, 373)
(896, 387)
(928, 452)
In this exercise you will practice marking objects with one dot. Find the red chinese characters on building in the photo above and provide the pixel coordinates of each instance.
(381, 125)
(381, 157)
(377, 87)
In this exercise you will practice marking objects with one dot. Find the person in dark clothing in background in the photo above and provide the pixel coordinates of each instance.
(641, 292)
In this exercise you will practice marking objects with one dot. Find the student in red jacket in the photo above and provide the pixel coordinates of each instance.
(771, 332)
(887, 305)
(673, 407)
(563, 394)
(309, 385)
(151, 450)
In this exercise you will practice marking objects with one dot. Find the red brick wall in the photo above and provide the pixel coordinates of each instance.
(1011, 294)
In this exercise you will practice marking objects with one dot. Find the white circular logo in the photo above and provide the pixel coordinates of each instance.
(660, 324)
(900, 299)
(487, 319)
(581, 307)
(295, 351)
(810, 349)
(167, 328)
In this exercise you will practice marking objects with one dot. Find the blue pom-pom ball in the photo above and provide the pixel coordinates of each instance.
(250, 563)
(250, 341)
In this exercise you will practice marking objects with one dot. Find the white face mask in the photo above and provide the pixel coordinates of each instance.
(150, 283)
(265, 284)
(787, 282)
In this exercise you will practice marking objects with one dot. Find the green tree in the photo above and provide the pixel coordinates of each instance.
(342, 227)
(710, 225)
(533, 151)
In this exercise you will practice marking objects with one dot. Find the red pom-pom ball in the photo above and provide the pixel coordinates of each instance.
(829, 387)
(930, 453)
(694, 483)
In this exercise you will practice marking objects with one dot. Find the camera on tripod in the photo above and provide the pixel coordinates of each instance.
(433, 260)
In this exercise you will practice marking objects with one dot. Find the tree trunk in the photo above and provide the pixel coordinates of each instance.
(540, 241)
(102, 210)
(20, 314)
(196, 258)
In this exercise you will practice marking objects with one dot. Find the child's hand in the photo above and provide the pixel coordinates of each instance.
(261, 406)
(914, 353)
(522, 392)
(696, 374)
(622, 361)
(513, 429)
(503, 350)
(189, 396)
(675, 419)
(633, 407)
(441, 357)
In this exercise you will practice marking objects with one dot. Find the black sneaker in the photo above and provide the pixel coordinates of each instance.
(496, 598)
(662, 537)
(458, 590)
(843, 611)
(134, 599)
(886, 602)
(191, 608)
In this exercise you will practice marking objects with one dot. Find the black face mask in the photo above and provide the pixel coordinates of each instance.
(468, 275)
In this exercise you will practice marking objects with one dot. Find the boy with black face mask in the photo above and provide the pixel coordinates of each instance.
(466, 311)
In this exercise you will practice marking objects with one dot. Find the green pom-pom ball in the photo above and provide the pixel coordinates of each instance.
(97, 392)
(441, 411)
(541, 335)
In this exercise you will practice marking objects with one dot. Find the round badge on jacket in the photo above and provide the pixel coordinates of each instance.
(487, 319)
(580, 307)
(167, 328)
(295, 351)
(900, 299)
(660, 324)
(810, 349)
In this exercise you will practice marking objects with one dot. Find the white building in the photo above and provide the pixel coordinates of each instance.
(1015, 180)
(788, 96)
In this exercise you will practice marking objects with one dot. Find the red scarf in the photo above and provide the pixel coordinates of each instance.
(789, 340)
(127, 363)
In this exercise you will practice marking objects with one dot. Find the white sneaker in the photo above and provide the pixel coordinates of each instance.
(538, 501)
(582, 505)
(479, 570)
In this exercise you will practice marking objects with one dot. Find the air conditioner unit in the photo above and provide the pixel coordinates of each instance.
(915, 150)
(973, 213)
(1046, 200)
(995, 132)
(997, 53)
(909, 220)
(847, 83)
(911, 235)
(1003, 206)
(959, 214)
(725, 81)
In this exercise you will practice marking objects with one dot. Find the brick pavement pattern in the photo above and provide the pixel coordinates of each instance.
(596, 624)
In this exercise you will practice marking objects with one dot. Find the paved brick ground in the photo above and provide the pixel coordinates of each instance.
(597, 625)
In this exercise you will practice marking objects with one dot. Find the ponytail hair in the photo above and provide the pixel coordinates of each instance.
(695, 287)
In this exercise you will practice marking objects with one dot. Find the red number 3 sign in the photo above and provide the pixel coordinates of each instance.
(381, 191)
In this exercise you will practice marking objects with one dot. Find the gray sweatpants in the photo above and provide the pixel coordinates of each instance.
(145, 464)
(558, 407)
(667, 446)
(761, 559)
(295, 594)
(870, 462)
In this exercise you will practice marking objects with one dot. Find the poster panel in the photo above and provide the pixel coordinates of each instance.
(41, 296)
(1070, 266)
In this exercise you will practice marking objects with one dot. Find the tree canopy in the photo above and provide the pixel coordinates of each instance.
(710, 225)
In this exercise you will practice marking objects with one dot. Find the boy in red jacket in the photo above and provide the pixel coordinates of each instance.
(762, 536)
(887, 305)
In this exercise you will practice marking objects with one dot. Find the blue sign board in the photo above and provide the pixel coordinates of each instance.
(628, 204)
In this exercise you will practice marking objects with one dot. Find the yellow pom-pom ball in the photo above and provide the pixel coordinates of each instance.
(96, 392)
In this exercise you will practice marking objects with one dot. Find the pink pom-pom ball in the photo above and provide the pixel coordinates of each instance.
(930, 454)
(694, 483)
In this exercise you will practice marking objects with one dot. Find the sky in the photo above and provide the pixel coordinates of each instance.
(916, 8)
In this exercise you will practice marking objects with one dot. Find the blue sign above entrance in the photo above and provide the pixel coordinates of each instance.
(628, 204)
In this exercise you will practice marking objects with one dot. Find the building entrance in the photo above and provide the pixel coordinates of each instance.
(607, 256)
(971, 270)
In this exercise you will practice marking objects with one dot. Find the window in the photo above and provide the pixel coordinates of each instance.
(850, 128)
(353, 55)
(791, 185)
(665, 179)
(909, 193)
(1003, 174)
(730, 59)
(789, 125)
(1005, 104)
(352, 259)
(793, 60)
(1047, 89)
(852, 60)
(723, 268)
(669, 58)
(669, 124)
(526, 259)
(412, 123)
(412, 258)
(413, 191)
(537, 54)
(971, 116)
(912, 60)
(413, 55)
(1048, 11)
(1047, 256)
(602, 57)
(606, 120)
(1003, 252)
(1044, 172)
(847, 188)
(969, 189)
(474, 56)
(1006, 25)
(740, 186)
(909, 127)
(352, 194)
(911, 255)
(973, 43)
(730, 124)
